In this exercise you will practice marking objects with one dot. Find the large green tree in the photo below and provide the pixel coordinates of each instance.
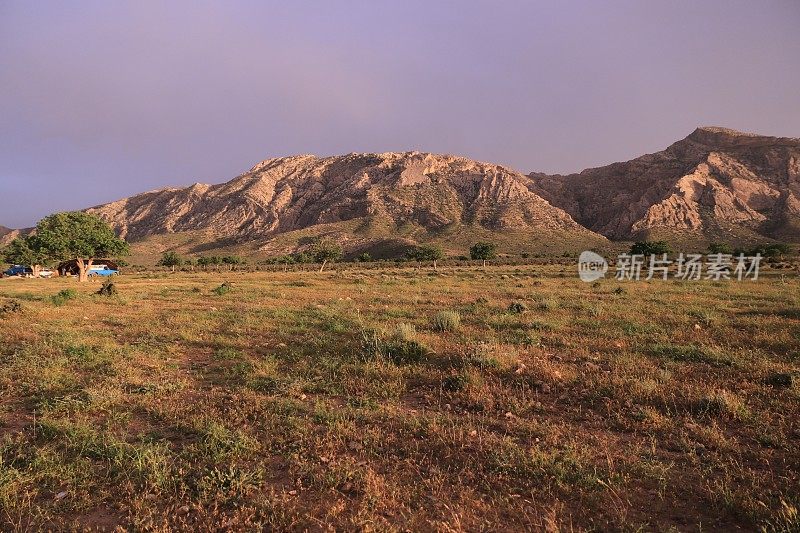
(79, 236)
(483, 251)
(427, 252)
(171, 260)
(648, 248)
(26, 251)
(325, 251)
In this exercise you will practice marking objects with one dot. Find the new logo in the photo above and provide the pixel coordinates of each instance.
(591, 266)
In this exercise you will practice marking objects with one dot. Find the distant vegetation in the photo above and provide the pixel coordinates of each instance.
(325, 251)
(774, 250)
(647, 248)
(171, 260)
(720, 248)
(483, 251)
(426, 252)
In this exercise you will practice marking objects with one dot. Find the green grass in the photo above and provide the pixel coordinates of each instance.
(692, 353)
(63, 297)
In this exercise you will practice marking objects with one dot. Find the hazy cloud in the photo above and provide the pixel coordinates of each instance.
(100, 100)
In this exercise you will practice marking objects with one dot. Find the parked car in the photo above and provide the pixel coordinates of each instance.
(70, 268)
(18, 270)
(46, 273)
(102, 271)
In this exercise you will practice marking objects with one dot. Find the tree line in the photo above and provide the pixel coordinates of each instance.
(325, 251)
(772, 250)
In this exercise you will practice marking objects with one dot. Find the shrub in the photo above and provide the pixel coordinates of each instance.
(170, 260)
(774, 250)
(63, 297)
(401, 347)
(303, 257)
(721, 402)
(456, 382)
(282, 260)
(11, 307)
(223, 289)
(364, 258)
(517, 308)
(447, 321)
(548, 304)
(426, 252)
(405, 332)
(108, 288)
(326, 251)
(482, 355)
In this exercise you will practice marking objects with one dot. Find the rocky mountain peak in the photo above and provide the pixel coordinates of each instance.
(717, 183)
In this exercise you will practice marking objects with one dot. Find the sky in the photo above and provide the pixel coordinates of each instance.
(102, 100)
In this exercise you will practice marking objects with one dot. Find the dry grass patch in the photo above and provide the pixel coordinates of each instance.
(399, 400)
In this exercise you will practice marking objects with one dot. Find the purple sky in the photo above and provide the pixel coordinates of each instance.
(100, 100)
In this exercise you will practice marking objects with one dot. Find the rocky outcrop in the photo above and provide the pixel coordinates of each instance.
(715, 183)
(8, 234)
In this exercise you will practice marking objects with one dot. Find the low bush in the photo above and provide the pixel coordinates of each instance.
(721, 403)
(63, 297)
(401, 347)
(11, 307)
(446, 321)
(517, 308)
(547, 304)
(108, 288)
(456, 382)
(223, 289)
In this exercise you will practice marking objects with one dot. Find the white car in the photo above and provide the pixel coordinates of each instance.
(46, 273)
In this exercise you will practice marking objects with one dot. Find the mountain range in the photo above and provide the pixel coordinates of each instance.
(716, 184)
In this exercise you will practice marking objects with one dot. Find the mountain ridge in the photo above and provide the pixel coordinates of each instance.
(419, 193)
(714, 184)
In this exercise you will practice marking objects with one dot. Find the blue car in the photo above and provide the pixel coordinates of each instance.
(18, 270)
(102, 271)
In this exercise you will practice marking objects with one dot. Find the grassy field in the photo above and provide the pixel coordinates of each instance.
(510, 398)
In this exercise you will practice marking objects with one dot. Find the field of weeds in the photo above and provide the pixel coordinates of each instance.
(508, 398)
